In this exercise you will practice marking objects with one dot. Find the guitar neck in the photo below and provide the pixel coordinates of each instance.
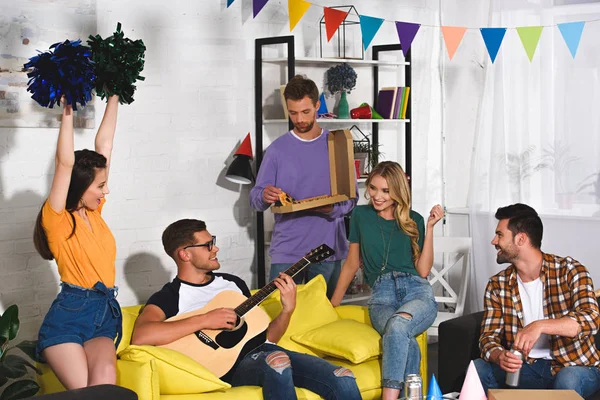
(269, 288)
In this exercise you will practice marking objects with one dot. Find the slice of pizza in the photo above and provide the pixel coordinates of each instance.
(284, 199)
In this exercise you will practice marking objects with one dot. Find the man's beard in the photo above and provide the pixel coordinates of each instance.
(505, 257)
(308, 128)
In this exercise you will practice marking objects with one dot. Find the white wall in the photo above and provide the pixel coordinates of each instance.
(189, 116)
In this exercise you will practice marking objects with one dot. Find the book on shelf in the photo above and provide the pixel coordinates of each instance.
(402, 114)
(392, 102)
(385, 102)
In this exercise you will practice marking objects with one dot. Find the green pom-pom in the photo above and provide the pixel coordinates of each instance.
(119, 61)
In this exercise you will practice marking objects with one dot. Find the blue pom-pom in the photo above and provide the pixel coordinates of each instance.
(65, 70)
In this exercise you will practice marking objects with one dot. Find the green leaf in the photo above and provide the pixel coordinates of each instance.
(28, 347)
(13, 366)
(3, 380)
(20, 390)
(9, 322)
(3, 345)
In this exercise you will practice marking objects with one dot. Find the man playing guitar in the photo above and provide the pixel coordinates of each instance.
(262, 362)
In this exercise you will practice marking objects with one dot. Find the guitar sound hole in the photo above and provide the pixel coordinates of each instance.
(229, 339)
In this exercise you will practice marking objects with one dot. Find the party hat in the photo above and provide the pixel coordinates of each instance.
(322, 107)
(434, 392)
(245, 148)
(374, 114)
(472, 388)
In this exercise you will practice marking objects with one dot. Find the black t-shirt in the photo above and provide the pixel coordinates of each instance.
(179, 297)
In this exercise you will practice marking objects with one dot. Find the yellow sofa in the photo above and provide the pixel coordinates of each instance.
(342, 335)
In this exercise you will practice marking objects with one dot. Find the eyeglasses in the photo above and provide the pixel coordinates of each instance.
(210, 244)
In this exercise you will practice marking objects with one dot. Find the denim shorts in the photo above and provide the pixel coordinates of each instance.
(79, 314)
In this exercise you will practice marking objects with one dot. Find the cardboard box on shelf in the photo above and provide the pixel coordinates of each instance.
(341, 172)
(527, 394)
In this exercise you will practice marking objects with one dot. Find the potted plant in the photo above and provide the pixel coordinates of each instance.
(14, 367)
(341, 79)
(362, 148)
(367, 155)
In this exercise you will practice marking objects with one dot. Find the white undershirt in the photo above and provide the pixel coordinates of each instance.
(306, 140)
(532, 300)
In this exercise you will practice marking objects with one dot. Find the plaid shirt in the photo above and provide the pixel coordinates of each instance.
(568, 292)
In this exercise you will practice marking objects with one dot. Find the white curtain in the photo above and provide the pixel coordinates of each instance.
(537, 139)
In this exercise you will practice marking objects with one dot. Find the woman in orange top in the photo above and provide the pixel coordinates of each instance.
(77, 337)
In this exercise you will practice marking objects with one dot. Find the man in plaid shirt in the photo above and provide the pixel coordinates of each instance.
(542, 305)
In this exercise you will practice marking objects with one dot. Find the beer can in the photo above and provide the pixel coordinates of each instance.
(414, 390)
(512, 378)
(413, 387)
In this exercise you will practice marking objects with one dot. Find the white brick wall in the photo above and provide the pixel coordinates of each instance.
(172, 143)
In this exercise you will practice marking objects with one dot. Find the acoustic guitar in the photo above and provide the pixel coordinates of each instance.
(219, 350)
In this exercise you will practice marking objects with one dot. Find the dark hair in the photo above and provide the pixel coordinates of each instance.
(181, 233)
(299, 87)
(522, 218)
(87, 162)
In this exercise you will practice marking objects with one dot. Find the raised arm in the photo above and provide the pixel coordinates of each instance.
(106, 133)
(425, 261)
(64, 161)
(151, 327)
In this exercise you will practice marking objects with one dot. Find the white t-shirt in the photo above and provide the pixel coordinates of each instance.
(532, 300)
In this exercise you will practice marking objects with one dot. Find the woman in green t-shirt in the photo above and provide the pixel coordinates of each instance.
(397, 254)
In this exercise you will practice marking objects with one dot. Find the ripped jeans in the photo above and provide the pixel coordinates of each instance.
(394, 293)
(278, 370)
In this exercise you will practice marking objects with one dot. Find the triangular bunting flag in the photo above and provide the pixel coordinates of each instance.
(452, 37)
(258, 5)
(369, 27)
(406, 33)
(296, 9)
(493, 39)
(333, 20)
(530, 37)
(571, 33)
(229, 2)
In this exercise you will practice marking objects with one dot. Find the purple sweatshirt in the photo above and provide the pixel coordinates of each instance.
(301, 169)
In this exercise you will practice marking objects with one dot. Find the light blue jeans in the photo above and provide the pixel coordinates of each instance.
(583, 380)
(329, 270)
(395, 293)
(279, 370)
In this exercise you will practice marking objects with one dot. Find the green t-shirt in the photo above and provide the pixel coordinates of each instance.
(366, 229)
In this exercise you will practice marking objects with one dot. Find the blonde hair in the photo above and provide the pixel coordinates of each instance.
(399, 191)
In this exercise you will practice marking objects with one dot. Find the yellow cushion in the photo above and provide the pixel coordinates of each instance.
(344, 338)
(357, 313)
(240, 392)
(368, 373)
(313, 309)
(48, 382)
(178, 374)
(142, 378)
(130, 314)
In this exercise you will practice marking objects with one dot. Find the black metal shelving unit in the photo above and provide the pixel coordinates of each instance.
(288, 41)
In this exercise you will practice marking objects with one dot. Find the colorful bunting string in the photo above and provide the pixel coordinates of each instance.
(296, 9)
(571, 33)
(530, 37)
(257, 6)
(369, 27)
(493, 39)
(407, 31)
(452, 37)
(333, 20)
(229, 2)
